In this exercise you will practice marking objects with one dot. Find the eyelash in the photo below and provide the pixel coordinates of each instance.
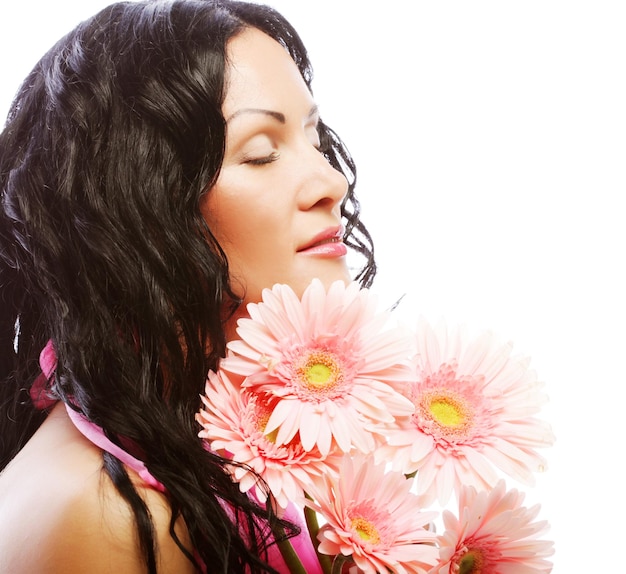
(264, 160)
(322, 148)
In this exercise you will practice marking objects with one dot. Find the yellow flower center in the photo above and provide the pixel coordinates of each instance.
(319, 371)
(472, 562)
(366, 530)
(319, 374)
(445, 414)
(447, 411)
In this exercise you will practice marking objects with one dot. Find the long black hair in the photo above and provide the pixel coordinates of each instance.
(109, 146)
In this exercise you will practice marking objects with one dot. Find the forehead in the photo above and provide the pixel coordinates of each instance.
(260, 73)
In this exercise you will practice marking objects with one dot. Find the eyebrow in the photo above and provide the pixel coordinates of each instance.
(278, 116)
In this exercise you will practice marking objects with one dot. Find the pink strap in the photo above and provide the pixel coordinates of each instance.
(96, 435)
(40, 389)
(48, 359)
(42, 400)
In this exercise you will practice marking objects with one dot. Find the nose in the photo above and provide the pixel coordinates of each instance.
(323, 186)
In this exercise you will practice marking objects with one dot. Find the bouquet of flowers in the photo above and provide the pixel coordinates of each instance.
(367, 425)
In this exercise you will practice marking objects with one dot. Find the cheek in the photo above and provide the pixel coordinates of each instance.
(237, 211)
(251, 228)
(223, 215)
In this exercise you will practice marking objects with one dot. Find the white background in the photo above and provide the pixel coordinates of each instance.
(491, 144)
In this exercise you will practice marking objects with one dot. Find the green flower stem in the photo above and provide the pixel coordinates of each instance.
(288, 553)
(338, 563)
(313, 527)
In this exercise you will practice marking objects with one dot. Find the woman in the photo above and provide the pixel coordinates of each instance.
(160, 166)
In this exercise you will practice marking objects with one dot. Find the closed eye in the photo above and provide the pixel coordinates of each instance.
(262, 160)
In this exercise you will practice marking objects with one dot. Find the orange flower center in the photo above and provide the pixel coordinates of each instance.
(262, 417)
(365, 529)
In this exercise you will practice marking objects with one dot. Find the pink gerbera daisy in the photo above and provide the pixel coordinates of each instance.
(235, 421)
(474, 407)
(372, 516)
(332, 362)
(494, 534)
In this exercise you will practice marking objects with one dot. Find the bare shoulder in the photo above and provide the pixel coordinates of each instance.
(60, 512)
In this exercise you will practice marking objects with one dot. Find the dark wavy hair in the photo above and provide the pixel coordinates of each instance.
(109, 146)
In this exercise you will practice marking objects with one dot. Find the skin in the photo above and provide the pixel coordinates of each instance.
(60, 513)
(276, 192)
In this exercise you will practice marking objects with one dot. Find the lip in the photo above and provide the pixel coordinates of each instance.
(327, 243)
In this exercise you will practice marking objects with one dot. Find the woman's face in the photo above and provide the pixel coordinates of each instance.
(275, 208)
